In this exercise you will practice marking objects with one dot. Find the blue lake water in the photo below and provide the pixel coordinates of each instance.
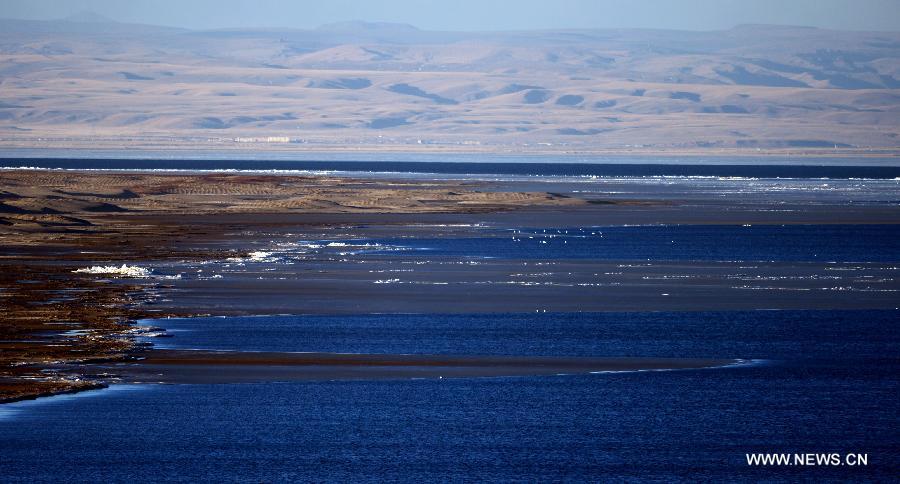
(824, 381)
(824, 243)
(543, 166)
(829, 384)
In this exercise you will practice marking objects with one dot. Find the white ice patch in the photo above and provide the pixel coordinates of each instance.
(257, 256)
(308, 245)
(123, 271)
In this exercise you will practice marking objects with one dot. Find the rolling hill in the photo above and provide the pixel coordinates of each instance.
(88, 81)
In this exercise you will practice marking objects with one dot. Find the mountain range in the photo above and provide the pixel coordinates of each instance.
(87, 80)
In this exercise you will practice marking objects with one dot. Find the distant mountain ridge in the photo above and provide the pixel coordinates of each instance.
(750, 87)
(88, 16)
(354, 25)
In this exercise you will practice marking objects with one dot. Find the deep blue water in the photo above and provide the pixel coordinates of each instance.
(830, 385)
(824, 243)
(827, 381)
(631, 167)
(780, 335)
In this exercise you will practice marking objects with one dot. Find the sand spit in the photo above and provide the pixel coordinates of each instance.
(191, 366)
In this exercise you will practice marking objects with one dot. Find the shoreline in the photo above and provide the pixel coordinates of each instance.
(54, 223)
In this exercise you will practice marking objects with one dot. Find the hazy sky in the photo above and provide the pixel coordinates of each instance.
(478, 14)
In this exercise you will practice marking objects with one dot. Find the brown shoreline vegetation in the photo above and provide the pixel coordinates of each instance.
(54, 222)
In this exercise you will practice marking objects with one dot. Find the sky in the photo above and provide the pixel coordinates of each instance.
(476, 15)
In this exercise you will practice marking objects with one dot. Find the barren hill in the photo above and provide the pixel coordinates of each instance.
(88, 81)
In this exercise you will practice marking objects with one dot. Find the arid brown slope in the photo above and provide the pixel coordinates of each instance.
(70, 198)
(379, 87)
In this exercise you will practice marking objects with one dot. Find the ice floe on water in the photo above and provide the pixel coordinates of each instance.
(291, 252)
(122, 271)
(365, 247)
(259, 256)
(308, 245)
(255, 256)
(125, 270)
(285, 253)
